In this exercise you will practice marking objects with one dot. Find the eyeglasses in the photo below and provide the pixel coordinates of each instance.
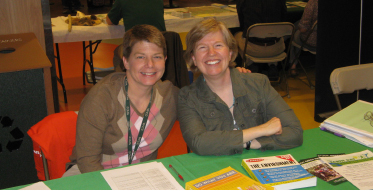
(369, 116)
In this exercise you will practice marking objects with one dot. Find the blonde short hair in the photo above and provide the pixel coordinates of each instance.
(199, 31)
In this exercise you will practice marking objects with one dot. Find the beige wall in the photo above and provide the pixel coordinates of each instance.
(22, 16)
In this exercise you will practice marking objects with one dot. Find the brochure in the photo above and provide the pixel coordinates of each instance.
(355, 167)
(318, 168)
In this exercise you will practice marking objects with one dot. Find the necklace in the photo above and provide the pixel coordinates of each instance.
(232, 104)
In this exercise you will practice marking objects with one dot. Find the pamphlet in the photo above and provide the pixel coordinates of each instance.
(318, 168)
(355, 167)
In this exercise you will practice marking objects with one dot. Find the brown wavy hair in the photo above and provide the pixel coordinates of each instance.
(140, 33)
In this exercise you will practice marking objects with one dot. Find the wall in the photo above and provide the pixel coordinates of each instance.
(338, 46)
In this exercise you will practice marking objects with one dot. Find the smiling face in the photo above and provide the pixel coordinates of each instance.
(211, 54)
(145, 65)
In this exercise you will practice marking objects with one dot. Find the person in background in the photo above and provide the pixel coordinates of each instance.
(260, 11)
(305, 34)
(71, 5)
(224, 111)
(135, 13)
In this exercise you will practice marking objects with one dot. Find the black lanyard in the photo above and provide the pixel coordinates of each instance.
(143, 124)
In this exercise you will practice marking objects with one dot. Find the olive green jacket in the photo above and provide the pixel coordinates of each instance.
(207, 124)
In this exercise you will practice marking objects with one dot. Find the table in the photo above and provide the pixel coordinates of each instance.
(190, 165)
(104, 31)
(227, 15)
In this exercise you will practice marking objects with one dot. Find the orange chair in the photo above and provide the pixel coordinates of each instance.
(174, 143)
(53, 141)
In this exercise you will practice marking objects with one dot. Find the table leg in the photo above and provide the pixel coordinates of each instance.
(90, 60)
(170, 5)
(60, 78)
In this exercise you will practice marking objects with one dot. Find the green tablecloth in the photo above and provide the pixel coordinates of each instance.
(192, 166)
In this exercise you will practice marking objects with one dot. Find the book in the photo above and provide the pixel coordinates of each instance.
(322, 170)
(282, 172)
(226, 179)
(351, 123)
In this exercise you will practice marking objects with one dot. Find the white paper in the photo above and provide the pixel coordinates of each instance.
(36, 186)
(355, 167)
(353, 136)
(148, 176)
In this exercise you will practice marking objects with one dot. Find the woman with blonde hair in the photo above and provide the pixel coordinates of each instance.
(225, 111)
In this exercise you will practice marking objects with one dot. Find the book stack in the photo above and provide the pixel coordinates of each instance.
(225, 179)
(282, 172)
(354, 122)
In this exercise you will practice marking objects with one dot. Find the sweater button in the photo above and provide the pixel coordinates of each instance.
(254, 110)
(243, 125)
(212, 114)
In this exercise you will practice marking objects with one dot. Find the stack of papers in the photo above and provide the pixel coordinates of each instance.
(350, 123)
(147, 176)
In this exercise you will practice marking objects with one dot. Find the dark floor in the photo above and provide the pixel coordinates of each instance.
(57, 9)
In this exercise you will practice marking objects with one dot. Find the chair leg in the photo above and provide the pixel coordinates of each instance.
(285, 80)
(338, 102)
(45, 164)
(309, 81)
(296, 59)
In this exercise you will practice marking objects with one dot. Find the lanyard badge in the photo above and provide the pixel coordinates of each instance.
(131, 154)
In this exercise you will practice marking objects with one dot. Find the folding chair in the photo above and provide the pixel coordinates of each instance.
(268, 30)
(53, 141)
(301, 48)
(351, 78)
(95, 73)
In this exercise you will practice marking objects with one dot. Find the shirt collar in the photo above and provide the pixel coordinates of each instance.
(207, 95)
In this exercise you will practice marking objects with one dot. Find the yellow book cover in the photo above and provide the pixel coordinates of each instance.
(226, 179)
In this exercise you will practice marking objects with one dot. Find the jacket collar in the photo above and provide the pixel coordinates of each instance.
(205, 94)
(238, 84)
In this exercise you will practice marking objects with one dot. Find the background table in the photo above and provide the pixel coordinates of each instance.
(192, 166)
(104, 31)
